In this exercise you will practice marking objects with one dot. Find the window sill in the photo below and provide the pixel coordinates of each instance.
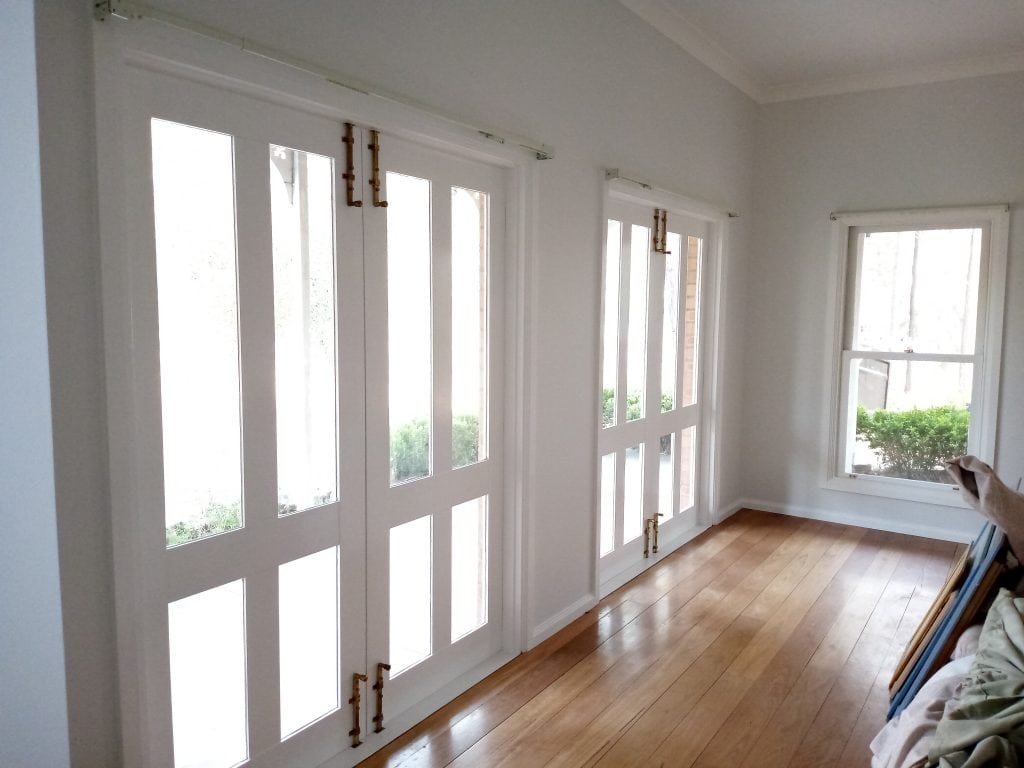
(904, 490)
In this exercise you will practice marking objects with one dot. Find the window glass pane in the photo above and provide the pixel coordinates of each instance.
(302, 217)
(687, 463)
(666, 474)
(194, 224)
(691, 318)
(469, 567)
(918, 291)
(610, 325)
(308, 630)
(633, 512)
(469, 326)
(410, 593)
(208, 697)
(907, 417)
(409, 326)
(670, 323)
(607, 503)
(636, 350)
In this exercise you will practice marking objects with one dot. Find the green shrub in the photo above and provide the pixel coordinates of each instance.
(216, 518)
(632, 406)
(410, 446)
(914, 443)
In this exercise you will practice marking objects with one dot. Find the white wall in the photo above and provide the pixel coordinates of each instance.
(33, 716)
(68, 147)
(605, 90)
(942, 144)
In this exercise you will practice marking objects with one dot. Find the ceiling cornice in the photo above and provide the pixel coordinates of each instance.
(935, 73)
(695, 41)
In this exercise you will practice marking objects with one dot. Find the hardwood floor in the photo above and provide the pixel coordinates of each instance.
(766, 641)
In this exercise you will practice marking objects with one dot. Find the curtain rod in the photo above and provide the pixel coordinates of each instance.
(613, 174)
(130, 9)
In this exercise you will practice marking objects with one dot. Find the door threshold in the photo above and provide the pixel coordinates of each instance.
(418, 712)
(632, 570)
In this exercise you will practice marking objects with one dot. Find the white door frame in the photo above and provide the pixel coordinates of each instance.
(123, 45)
(713, 279)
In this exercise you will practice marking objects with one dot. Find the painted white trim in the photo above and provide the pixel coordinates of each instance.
(562, 619)
(132, 10)
(945, 533)
(621, 187)
(696, 42)
(894, 78)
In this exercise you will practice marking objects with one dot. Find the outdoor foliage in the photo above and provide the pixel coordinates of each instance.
(632, 406)
(914, 443)
(216, 518)
(410, 446)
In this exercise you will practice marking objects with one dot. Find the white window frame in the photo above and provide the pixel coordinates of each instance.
(846, 227)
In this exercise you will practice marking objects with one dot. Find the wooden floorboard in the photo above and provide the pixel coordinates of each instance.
(766, 641)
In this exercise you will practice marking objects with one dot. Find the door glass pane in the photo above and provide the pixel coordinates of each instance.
(469, 567)
(670, 324)
(633, 513)
(308, 631)
(410, 593)
(610, 325)
(469, 326)
(194, 224)
(208, 693)
(607, 503)
(302, 217)
(666, 474)
(636, 350)
(918, 291)
(691, 318)
(409, 326)
(687, 463)
(907, 417)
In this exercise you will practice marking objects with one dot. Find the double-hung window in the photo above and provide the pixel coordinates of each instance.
(917, 338)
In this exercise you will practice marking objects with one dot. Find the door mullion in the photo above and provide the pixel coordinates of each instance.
(441, 308)
(441, 312)
(652, 396)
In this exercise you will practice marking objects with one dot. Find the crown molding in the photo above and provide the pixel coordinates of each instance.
(696, 42)
(699, 44)
(936, 73)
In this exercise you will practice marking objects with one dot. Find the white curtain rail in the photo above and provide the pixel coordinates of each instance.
(659, 196)
(130, 9)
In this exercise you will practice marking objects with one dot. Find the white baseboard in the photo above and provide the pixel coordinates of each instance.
(945, 533)
(728, 510)
(563, 618)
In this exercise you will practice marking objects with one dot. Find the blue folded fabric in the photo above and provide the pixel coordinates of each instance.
(984, 550)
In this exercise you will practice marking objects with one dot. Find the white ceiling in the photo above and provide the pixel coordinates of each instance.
(776, 50)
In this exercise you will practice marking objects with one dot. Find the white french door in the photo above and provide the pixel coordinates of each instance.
(312, 410)
(649, 446)
(434, 472)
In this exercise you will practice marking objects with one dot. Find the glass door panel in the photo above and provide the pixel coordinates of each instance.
(409, 331)
(302, 218)
(194, 233)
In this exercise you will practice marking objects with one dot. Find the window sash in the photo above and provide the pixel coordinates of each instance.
(848, 229)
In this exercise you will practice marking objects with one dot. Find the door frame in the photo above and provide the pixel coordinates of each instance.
(713, 277)
(123, 45)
